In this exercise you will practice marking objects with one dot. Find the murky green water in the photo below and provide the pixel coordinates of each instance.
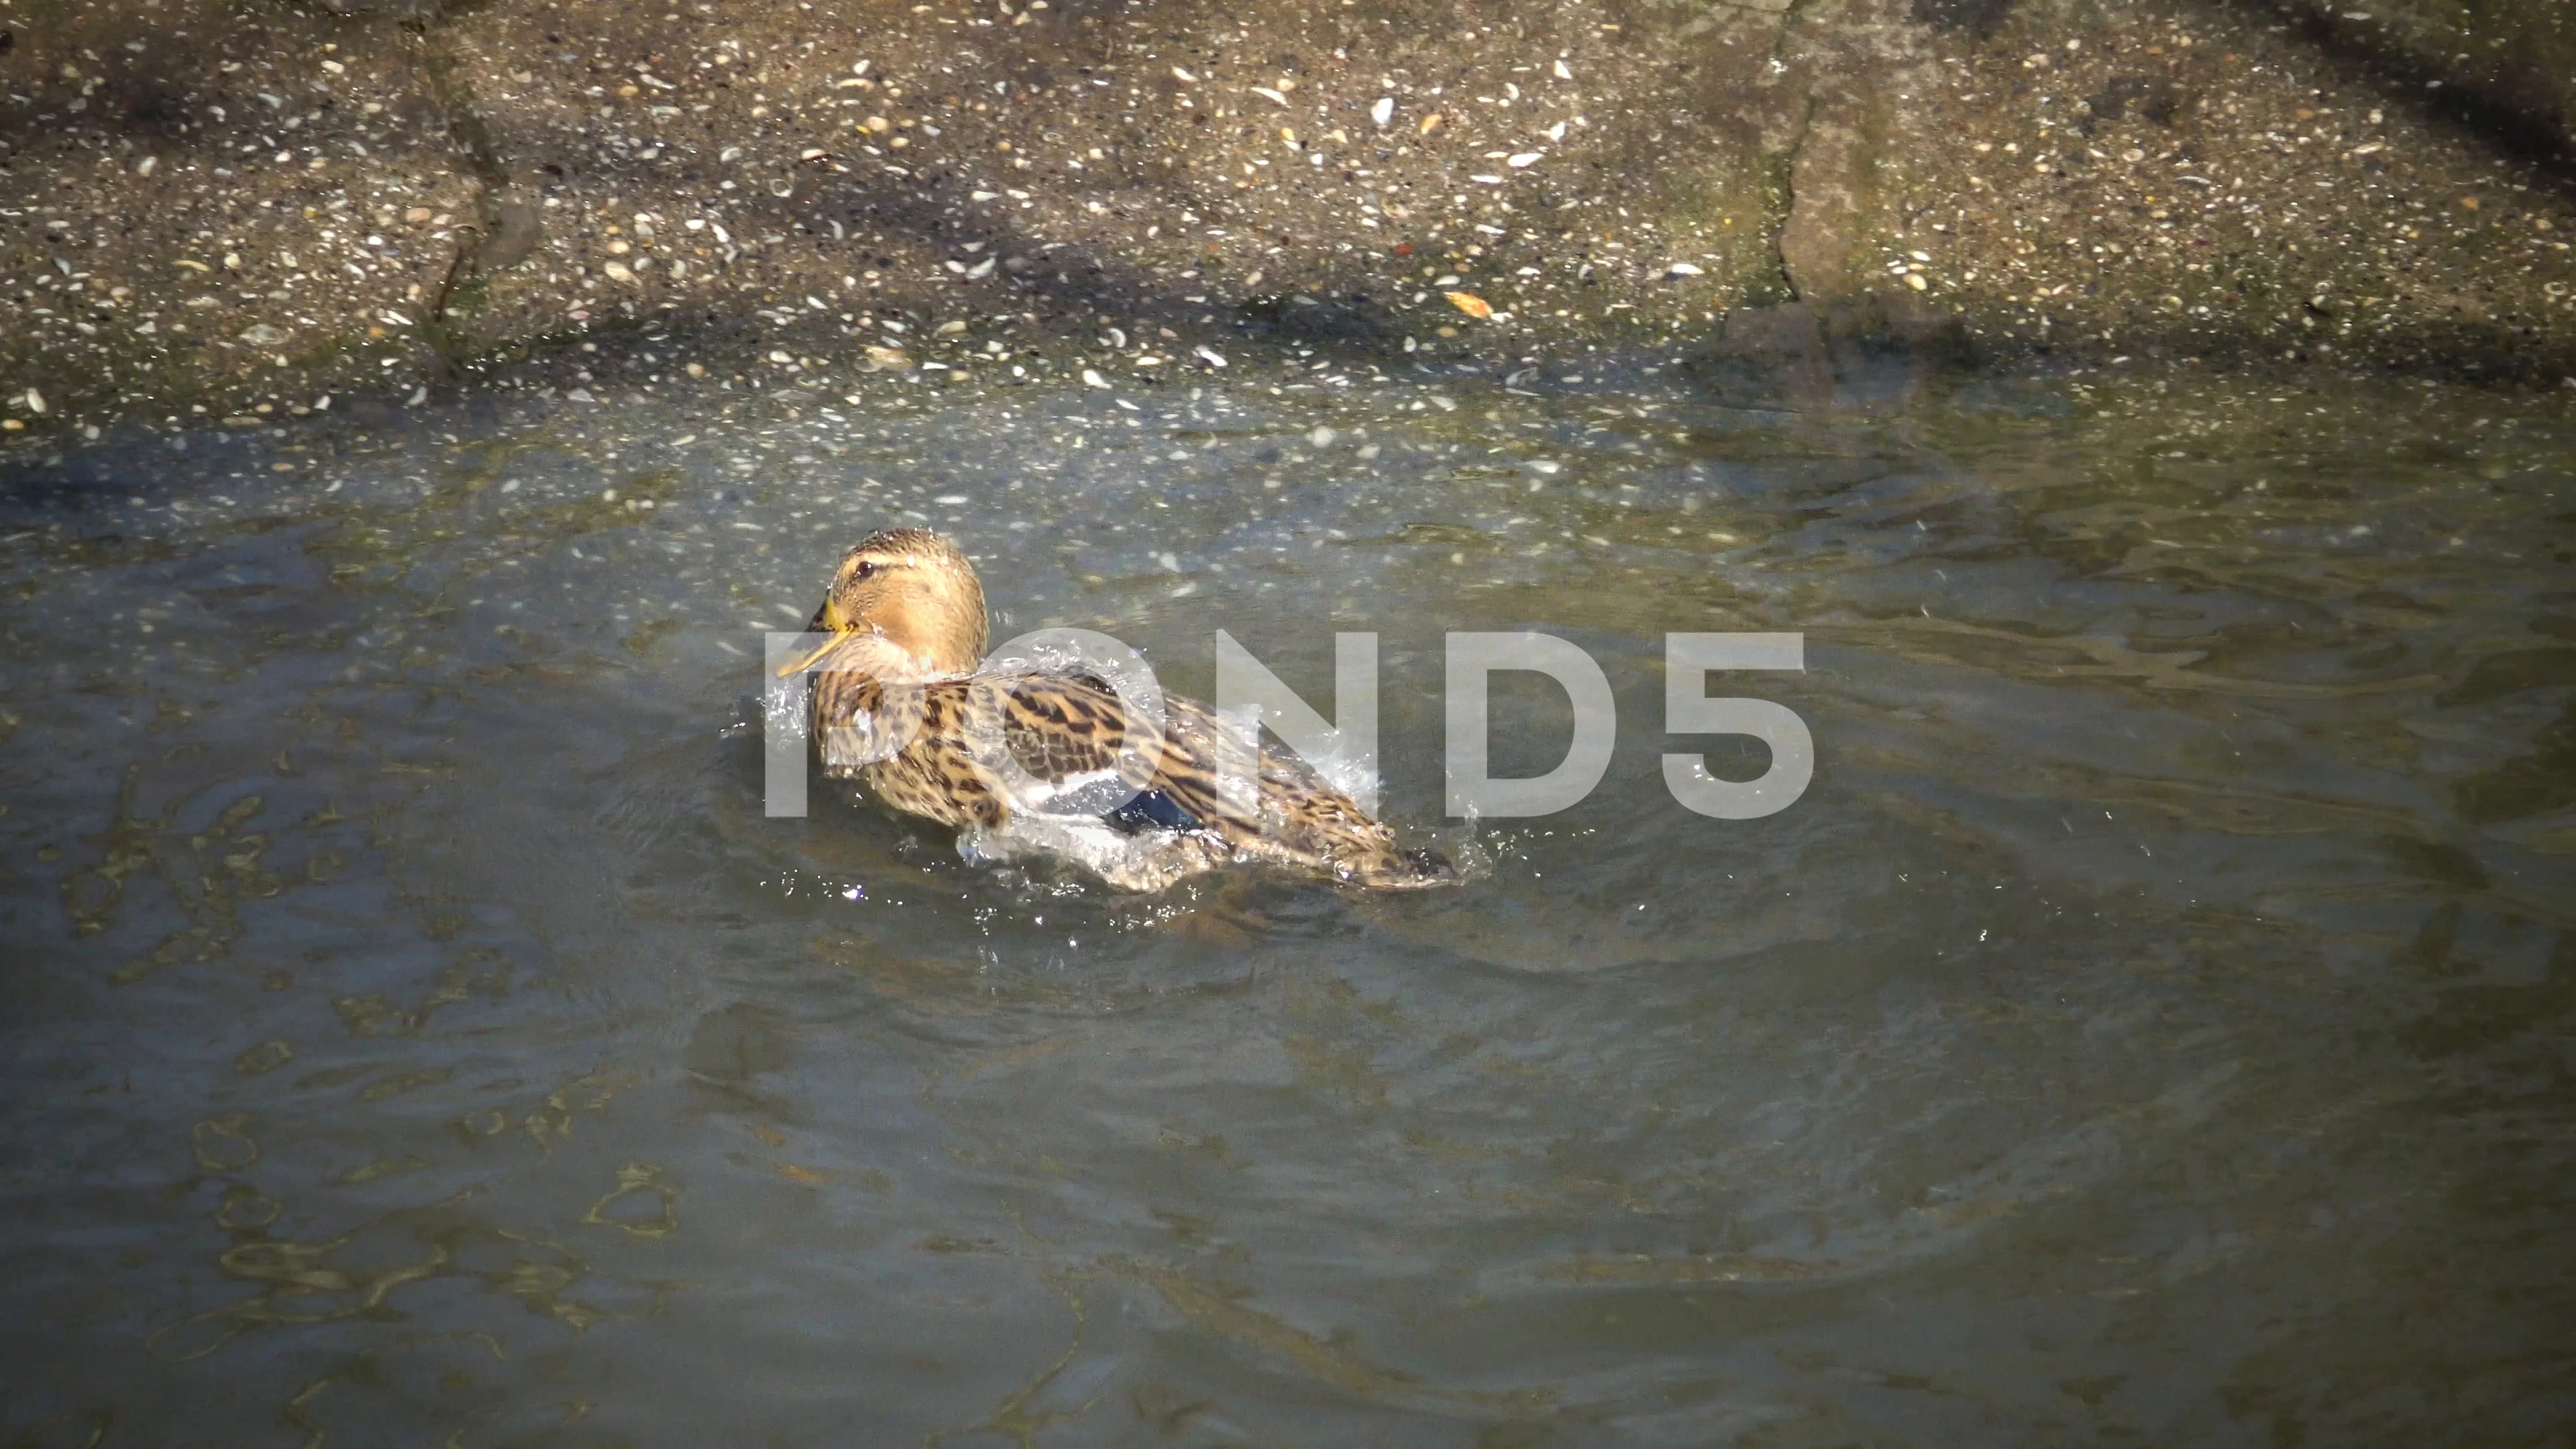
(2154, 1023)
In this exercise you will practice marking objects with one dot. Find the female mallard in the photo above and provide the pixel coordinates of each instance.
(899, 706)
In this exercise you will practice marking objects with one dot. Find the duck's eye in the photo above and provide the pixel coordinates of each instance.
(864, 570)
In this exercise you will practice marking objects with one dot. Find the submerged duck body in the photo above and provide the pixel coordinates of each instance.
(1039, 763)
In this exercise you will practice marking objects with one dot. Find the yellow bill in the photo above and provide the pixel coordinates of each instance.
(813, 657)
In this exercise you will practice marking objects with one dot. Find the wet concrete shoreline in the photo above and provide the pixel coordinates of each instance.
(230, 214)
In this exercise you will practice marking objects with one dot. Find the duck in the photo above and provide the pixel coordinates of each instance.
(904, 706)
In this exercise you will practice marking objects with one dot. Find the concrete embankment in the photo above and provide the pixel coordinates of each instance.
(253, 209)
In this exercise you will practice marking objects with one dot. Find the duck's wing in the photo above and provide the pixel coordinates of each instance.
(1076, 752)
(1297, 818)
(978, 750)
(1294, 816)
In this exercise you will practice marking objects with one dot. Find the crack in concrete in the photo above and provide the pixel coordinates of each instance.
(1787, 213)
(1781, 209)
(508, 225)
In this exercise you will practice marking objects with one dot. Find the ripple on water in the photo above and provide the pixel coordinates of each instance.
(2155, 983)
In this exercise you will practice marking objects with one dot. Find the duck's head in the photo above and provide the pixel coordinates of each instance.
(914, 590)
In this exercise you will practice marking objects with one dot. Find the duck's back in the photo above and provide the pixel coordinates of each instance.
(1162, 818)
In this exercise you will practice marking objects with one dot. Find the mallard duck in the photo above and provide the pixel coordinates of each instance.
(906, 618)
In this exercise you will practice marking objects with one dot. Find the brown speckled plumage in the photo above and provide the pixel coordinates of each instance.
(908, 618)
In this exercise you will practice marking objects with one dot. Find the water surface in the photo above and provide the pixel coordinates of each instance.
(2154, 1023)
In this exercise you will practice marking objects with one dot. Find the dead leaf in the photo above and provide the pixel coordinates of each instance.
(806, 1175)
(1471, 304)
(770, 1135)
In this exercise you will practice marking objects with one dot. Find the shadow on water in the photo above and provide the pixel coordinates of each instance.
(2152, 1021)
